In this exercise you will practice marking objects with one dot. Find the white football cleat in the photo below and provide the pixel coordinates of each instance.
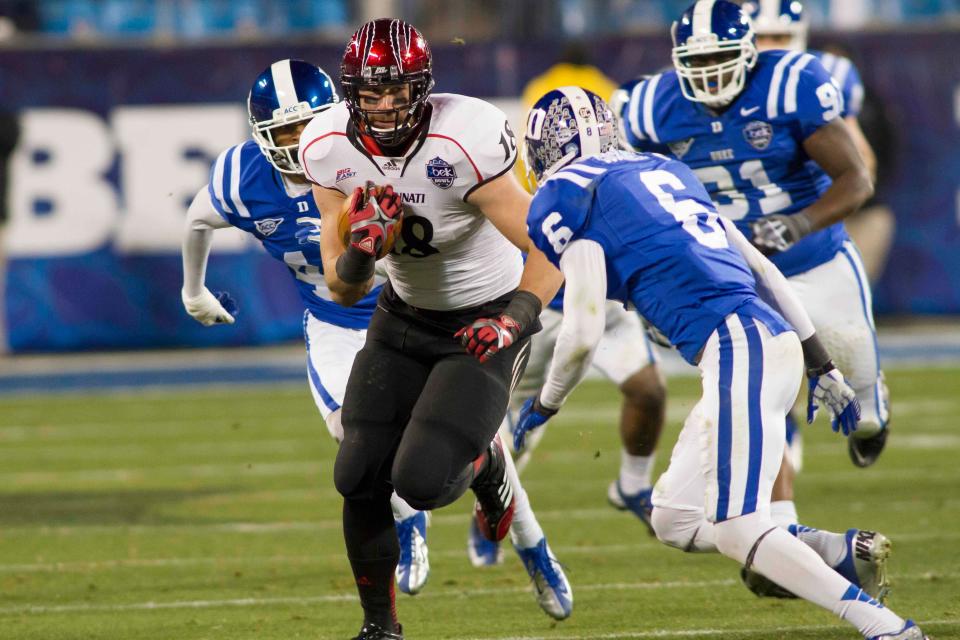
(553, 591)
(414, 565)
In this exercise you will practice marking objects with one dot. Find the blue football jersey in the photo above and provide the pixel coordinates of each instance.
(845, 73)
(249, 193)
(750, 157)
(665, 248)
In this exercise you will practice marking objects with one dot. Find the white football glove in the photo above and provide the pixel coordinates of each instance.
(206, 309)
(831, 390)
(309, 230)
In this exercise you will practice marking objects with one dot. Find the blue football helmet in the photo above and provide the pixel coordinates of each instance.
(714, 47)
(566, 124)
(779, 18)
(285, 93)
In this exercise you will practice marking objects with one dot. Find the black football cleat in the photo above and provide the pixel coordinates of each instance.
(494, 508)
(763, 587)
(372, 631)
(865, 451)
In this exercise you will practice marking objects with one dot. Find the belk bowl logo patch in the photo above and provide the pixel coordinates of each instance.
(759, 134)
(268, 225)
(441, 173)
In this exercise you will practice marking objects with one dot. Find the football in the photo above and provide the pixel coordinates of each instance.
(390, 238)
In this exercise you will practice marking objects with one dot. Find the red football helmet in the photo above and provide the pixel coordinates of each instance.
(387, 52)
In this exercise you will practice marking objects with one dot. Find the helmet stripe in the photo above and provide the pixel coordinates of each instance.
(703, 17)
(770, 10)
(589, 145)
(395, 44)
(283, 84)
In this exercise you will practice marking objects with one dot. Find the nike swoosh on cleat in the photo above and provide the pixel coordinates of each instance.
(747, 112)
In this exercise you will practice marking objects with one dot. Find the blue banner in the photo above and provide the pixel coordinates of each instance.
(117, 141)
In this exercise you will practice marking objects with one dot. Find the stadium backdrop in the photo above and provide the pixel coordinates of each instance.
(116, 141)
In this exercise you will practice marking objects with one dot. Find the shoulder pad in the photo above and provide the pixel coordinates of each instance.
(318, 139)
(480, 129)
(232, 174)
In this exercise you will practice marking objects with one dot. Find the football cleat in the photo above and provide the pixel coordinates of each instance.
(762, 586)
(482, 552)
(373, 631)
(910, 631)
(865, 451)
(493, 511)
(414, 565)
(640, 503)
(553, 591)
(865, 564)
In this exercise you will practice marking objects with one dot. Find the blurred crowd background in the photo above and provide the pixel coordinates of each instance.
(491, 19)
(111, 112)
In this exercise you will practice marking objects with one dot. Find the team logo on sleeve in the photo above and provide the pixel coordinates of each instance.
(343, 174)
(759, 134)
(441, 173)
(267, 226)
(680, 147)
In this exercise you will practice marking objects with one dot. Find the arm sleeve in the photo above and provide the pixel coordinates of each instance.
(584, 318)
(202, 219)
(771, 284)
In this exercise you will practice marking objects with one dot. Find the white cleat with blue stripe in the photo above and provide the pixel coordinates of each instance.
(413, 569)
(553, 591)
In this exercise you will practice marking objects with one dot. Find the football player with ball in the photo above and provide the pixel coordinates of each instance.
(449, 338)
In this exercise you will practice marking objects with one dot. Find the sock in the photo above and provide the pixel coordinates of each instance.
(373, 551)
(525, 532)
(832, 547)
(783, 513)
(401, 510)
(635, 472)
(756, 541)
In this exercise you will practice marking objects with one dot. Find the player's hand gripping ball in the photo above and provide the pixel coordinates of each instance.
(371, 219)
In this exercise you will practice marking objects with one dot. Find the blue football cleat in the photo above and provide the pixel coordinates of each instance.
(553, 591)
(865, 564)
(414, 565)
(910, 631)
(640, 503)
(482, 552)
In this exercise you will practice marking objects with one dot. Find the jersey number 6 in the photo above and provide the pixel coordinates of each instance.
(691, 215)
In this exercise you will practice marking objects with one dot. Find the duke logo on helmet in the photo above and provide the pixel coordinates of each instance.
(284, 94)
(714, 47)
(564, 125)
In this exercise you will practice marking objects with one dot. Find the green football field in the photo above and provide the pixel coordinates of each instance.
(211, 514)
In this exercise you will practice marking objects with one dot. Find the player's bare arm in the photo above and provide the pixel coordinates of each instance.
(834, 149)
(331, 202)
(505, 204)
(863, 146)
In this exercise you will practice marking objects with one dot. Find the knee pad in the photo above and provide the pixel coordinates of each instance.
(678, 528)
(421, 487)
(355, 477)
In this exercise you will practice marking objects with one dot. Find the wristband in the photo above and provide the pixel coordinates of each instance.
(815, 357)
(355, 266)
(542, 410)
(524, 308)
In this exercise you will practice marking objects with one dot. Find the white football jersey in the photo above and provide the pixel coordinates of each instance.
(449, 255)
